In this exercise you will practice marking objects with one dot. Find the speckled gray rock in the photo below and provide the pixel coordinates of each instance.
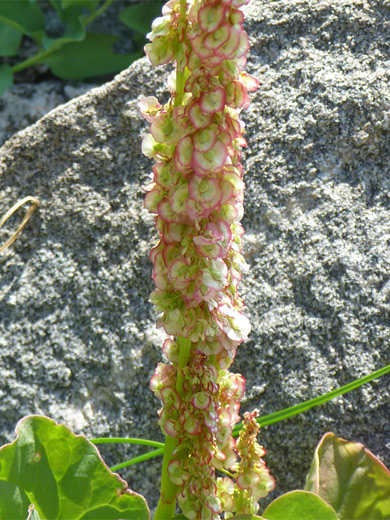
(76, 330)
(22, 105)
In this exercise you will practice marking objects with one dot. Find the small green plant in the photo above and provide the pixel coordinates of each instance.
(62, 476)
(76, 53)
(212, 467)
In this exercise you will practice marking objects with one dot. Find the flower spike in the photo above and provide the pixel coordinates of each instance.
(197, 198)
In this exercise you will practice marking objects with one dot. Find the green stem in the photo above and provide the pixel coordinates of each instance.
(97, 13)
(281, 415)
(180, 58)
(126, 440)
(34, 59)
(167, 503)
(136, 460)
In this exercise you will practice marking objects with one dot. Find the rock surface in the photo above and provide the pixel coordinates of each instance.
(23, 104)
(77, 334)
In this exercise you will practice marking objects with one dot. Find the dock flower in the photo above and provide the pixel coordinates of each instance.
(197, 199)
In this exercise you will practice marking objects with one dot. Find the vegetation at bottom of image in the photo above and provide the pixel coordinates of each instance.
(212, 466)
(75, 53)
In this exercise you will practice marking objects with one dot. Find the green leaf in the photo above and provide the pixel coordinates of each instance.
(63, 476)
(57, 6)
(91, 4)
(74, 28)
(17, 508)
(6, 78)
(351, 479)
(139, 17)
(91, 57)
(299, 505)
(10, 39)
(73, 33)
(24, 16)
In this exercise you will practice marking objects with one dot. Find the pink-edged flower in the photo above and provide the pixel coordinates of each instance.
(226, 493)
(197, 117)
(211, 160)
(213, 101)
(205, 190)
(211, 16)
(176, 472)
(149, 108)
(183, 156)
(160, 51)
(164, 375)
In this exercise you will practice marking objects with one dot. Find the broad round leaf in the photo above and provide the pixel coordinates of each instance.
(63, 476)
(299, 505)
(74, 30)
(351, 479)
(91, 57)
(22, 15)
(139, 17)
(17, 507)
(10, 40)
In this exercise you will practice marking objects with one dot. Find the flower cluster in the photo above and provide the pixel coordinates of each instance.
(197, 197)
(253, 480)
(202, 420)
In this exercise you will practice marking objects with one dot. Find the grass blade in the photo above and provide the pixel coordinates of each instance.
(306, 405)
(126, 440)
(140, 458)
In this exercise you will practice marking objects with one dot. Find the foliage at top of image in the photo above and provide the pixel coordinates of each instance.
(76, 54)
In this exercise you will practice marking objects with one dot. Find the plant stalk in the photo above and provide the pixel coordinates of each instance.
(97, 13)
(167, 503)
(180, 59)
(39, 57)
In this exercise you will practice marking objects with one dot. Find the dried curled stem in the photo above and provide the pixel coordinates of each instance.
(11, 211)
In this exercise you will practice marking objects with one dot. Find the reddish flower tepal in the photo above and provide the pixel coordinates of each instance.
(197, 197)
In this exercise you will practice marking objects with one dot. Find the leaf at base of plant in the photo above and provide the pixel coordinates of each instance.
(299, 505)
(15, 508)
(63, 476)
(351, 479)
